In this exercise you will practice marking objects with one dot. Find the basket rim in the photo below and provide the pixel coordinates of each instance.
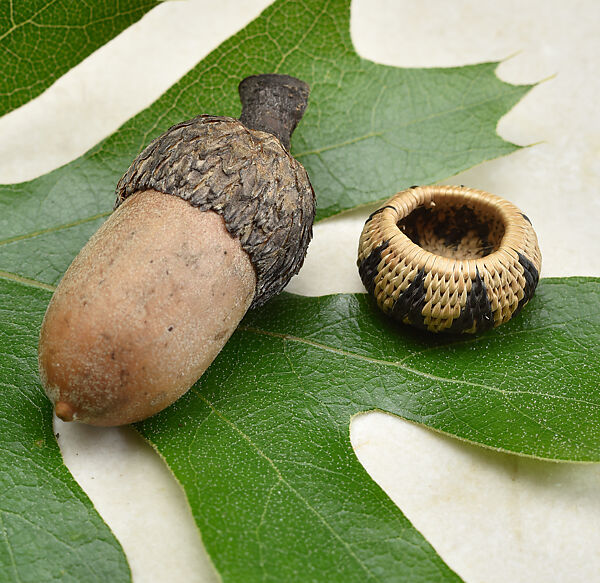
(511, 216)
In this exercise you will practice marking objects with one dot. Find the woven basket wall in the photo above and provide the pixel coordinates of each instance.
(449, 258)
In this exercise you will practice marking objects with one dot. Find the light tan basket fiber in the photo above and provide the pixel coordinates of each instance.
(449, 258)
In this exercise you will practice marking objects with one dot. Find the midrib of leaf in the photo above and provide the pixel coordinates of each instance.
(26, 281)
(399, 364)
(416, 372)
(54, 229)
(283, 480)
(355, 140)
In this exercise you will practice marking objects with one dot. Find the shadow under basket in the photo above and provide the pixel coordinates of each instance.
(449, 258)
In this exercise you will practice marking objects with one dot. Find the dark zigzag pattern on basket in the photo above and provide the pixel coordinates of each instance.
(368, 267)
(477, 311)
(409, 304)
(532, 277)
(476, 314)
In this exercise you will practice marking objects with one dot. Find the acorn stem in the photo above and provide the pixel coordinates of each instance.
(274, 104)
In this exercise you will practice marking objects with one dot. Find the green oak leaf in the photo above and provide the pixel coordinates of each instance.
(49, 530)
(40, 40)
(261, 443)
(369, 131)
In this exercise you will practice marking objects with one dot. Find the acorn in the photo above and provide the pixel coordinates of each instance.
(212, 218)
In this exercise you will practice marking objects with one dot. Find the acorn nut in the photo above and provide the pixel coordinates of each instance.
(212, 218)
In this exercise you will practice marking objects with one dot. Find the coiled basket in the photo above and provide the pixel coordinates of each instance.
(449, 258)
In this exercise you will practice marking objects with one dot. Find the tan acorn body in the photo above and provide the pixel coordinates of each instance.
(143, 310)
(212, 218)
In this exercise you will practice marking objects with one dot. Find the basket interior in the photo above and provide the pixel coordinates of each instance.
(456, 230)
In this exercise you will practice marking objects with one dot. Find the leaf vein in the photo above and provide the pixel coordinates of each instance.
(400, 365)
(54, 228)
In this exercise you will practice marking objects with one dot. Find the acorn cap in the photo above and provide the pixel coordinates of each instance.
(246, 175)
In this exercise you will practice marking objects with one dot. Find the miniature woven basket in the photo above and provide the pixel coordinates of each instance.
(449, 258)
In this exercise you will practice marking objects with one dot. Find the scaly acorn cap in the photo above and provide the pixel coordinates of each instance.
(242, 170)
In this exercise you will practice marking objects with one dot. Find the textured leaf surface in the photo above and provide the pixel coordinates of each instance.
(40, 40)
(261, 443)
(369, 130)
(49, 530)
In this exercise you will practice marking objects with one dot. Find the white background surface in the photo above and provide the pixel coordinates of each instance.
(492, 517)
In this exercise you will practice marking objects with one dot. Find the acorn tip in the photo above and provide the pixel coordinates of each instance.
(64, 411)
